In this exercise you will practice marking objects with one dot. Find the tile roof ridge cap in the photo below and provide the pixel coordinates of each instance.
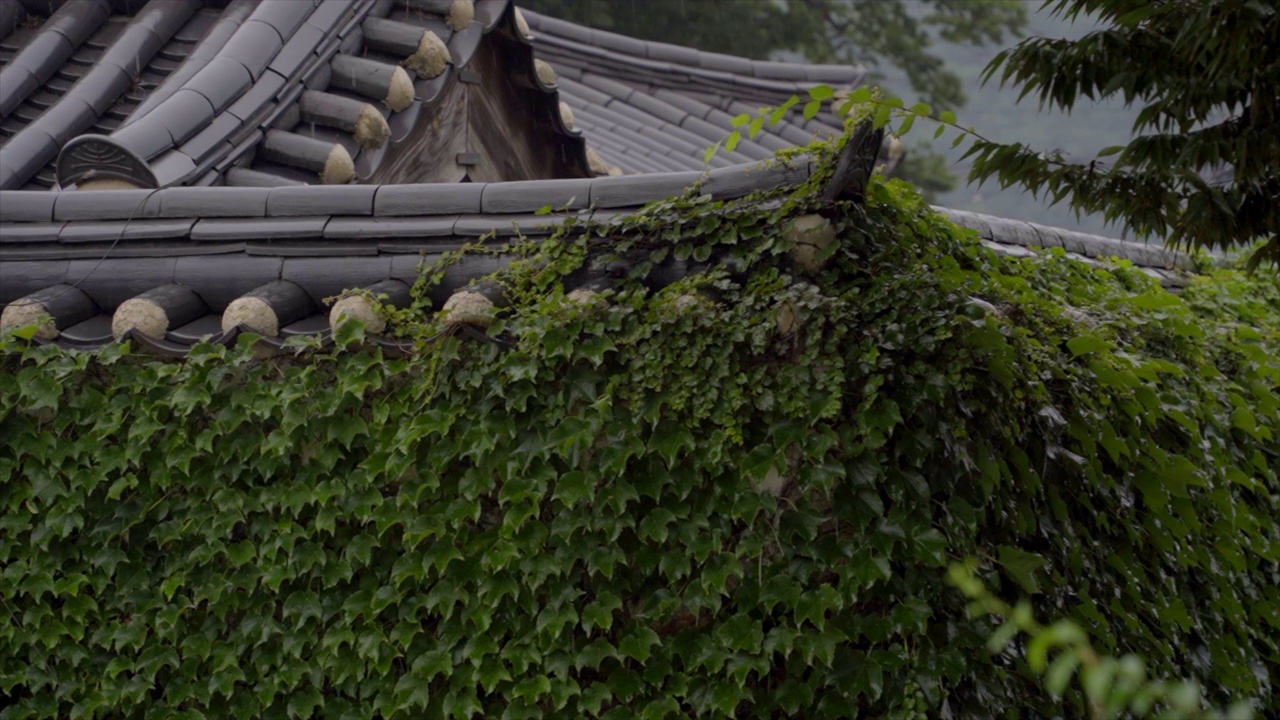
(1173, 255)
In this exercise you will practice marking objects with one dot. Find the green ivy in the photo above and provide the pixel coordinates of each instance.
(566, 516)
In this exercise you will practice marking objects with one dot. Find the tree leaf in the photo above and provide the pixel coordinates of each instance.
(822, 92)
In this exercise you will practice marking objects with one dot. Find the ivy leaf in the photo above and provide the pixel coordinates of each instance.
(822, 92)
(710, 153)
(931, 547)
(731, 143)
(639, 643)
(740, 120)
(669, 439)
(599, 614)
(593, 655)
(1086, 344)
(812, 108)
(432, 664)
(660, 708)
(727, 695)
(759, 461)
(304, 703)
(1022, 566)
(26, 332)
(1244, 419)
(573, 487)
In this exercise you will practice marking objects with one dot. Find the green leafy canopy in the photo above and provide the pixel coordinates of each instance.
(1201, 168)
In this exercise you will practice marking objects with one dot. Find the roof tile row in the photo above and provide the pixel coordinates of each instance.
(22, 207)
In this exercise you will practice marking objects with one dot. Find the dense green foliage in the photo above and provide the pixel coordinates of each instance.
(1201, 167)
(571, 519)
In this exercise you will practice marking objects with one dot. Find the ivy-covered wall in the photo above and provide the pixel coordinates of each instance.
(578, 517)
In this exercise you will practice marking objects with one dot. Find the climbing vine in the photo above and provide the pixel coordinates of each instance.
(720, 485)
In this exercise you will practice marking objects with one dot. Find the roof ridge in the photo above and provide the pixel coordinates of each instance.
(654, 55)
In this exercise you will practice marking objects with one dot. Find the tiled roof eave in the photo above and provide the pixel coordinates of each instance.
(225, 244)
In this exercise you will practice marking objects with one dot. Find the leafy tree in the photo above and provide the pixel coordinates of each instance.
(1201, 169)
(893, 33)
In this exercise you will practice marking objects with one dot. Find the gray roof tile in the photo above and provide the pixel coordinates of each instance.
(658, 108)
(532, 195)
(223, 278)
(221, 81)
(257, 97)
(575, 89)
(285, 17)
(1014, 232)
(298, 51)
(322, 278)
(313, 325)
(611, 88)
(731, 64)
(172, 167)
(215, 202)
(506, 225)
(309, 248)
(255, 45)
(625, 191)
(391, 227)
(463, 44)
(111, 281)
(321, 200)
(674, 54)
(94, 331)
(208, 326)
(247, 177)
(222, 229)
(213, 138)
(433, 199)
(972, 221)
(144, 139)
(329, 13)
(182, 115)
(111, 230)
(105, 87)
(28, 232)
(741, 180)
(26, 206)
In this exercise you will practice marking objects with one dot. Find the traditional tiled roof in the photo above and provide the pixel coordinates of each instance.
(276, 152)
(653, 107)
(275, 92)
